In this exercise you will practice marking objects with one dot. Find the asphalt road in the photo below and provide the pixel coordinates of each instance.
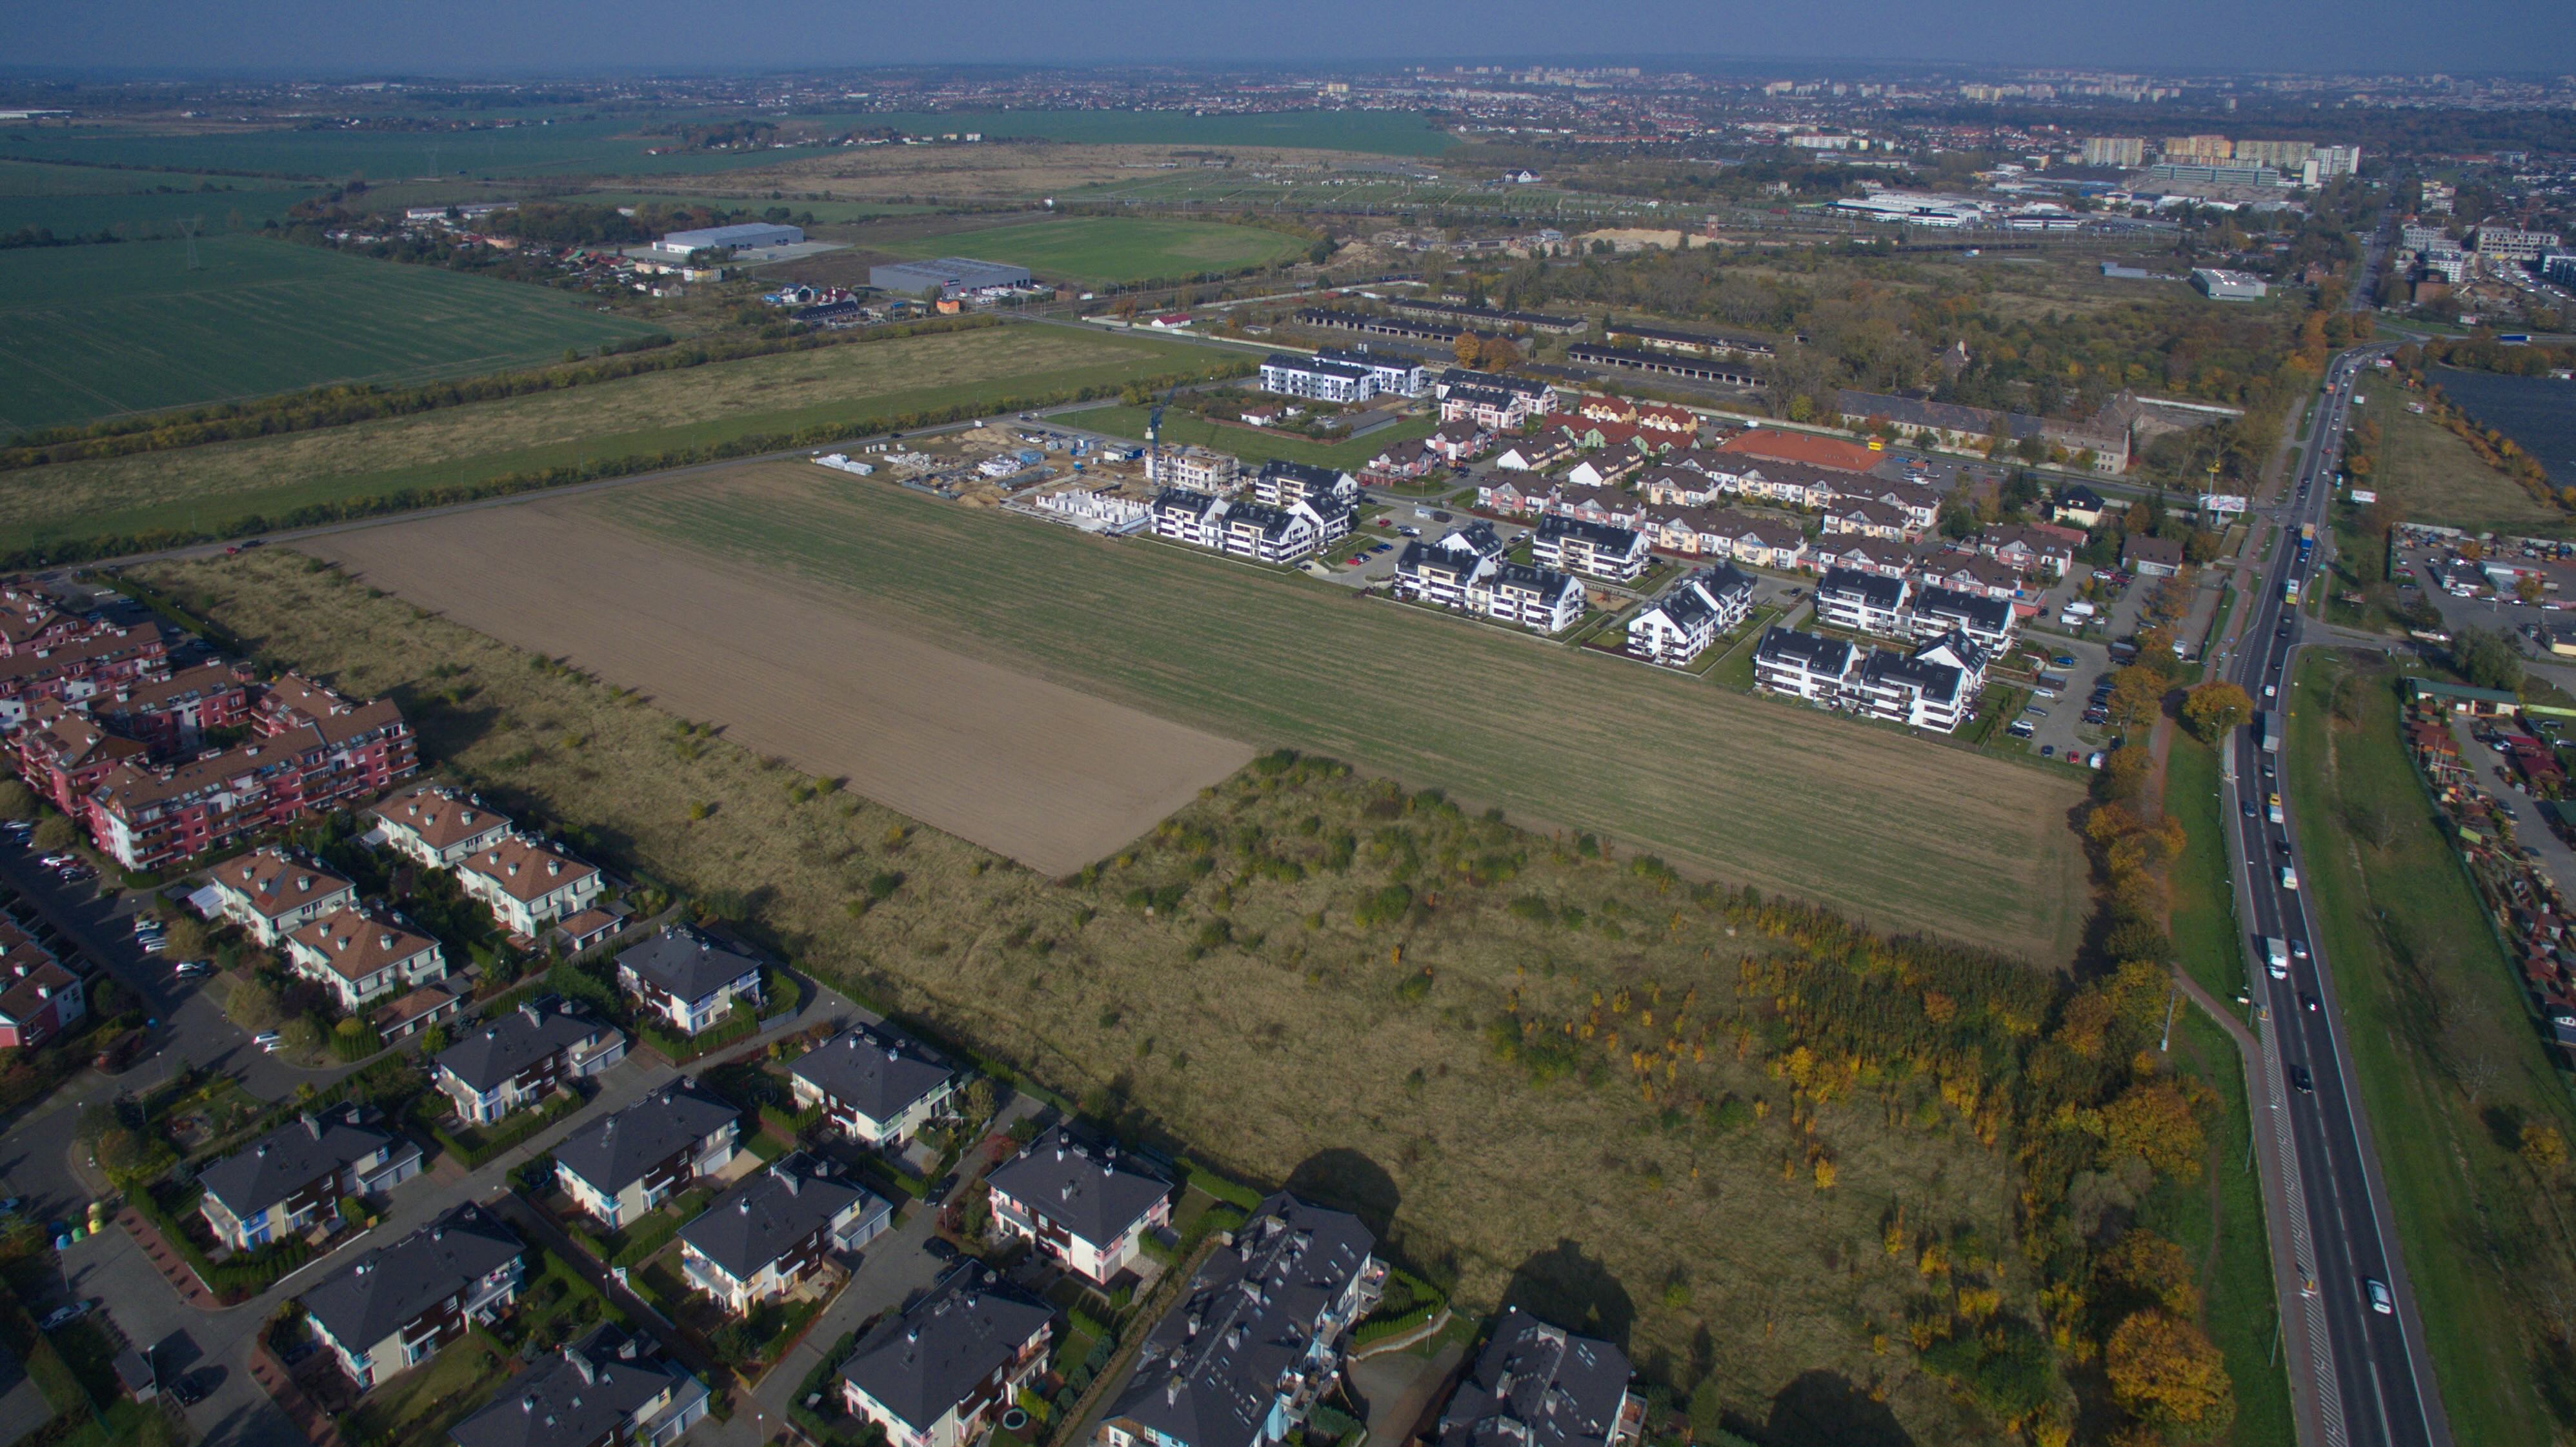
(2368, 1380)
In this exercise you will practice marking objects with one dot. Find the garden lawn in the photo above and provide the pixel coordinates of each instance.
(2429, 1001)
(96, 331)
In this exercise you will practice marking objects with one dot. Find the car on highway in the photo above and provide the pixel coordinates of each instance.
(2298, 949)
(2289, 877)
(2307, 1002)
(2299, 1079)
(2381, 1300)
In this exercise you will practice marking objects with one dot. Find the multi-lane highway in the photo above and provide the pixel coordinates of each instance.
(2363, 1375)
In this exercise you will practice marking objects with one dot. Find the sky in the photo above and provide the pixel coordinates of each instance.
(464, 38)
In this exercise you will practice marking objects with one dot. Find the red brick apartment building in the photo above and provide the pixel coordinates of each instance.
(314, 750)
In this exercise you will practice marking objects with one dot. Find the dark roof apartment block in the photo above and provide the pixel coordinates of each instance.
(876, 1070)
(1536, 1385)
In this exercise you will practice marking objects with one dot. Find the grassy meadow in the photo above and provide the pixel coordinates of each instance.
(1244, 442)
(861, 382)
(95, 331)
(1251, 1017)
(1903, 832)
(1109, 249)
(2433, 477)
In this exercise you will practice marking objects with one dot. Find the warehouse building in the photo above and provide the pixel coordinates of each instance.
(2220, 285)
(749, 235)
(953, 275)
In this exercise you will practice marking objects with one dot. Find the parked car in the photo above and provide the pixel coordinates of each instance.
(266, 1040)
(63, 1316)
(187, 1391)
(940, 1249)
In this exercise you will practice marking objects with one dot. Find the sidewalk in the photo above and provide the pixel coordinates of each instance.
(173, 1267)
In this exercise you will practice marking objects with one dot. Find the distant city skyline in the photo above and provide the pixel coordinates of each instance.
(466, 38)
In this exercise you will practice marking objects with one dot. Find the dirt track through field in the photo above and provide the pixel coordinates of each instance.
(1053, 778)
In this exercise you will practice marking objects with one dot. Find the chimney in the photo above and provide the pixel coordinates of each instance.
(313, 1126)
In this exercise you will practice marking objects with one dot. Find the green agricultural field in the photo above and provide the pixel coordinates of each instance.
(209, 487)
(1108, 250)
(566, 147)
(138, 215)
(825, 212)
(95, 331)
(1248, 443)
(1907, 833)
(1383, 133)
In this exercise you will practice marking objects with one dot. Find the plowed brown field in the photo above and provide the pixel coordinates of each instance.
(1053, 778)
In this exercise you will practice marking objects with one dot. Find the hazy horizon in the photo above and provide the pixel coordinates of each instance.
(467, 39)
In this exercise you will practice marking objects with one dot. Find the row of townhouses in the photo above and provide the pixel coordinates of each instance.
(1934, 686)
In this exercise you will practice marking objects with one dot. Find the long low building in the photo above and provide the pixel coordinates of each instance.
(1697, 369)
(952, 275)
(1242, 528)
(749, 235)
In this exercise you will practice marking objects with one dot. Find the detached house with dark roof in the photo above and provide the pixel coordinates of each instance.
(688, 977)
(518, 1059)
(292, 1178)
(1256, 1339)
(625, 1166)
(362, 958)
(763, 1238)
(875, 1084)
(395, 1306)
(936, 1373)
(609, 1389)
(1536, 1385)
(272, 894)
(39, 998)
(1086, 1206)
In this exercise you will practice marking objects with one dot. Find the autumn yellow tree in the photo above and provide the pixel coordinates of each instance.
(2214, 708)
(1468, 348)
(2137, 694)
(2154, 1121)
(2166, 1371)
(2147, 1263)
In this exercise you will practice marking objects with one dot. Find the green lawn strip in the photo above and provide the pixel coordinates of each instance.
(2424, 990)
(2221, 1223)
(2205, 932)
(1246, 443)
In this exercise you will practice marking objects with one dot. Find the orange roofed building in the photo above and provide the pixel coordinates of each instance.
(1786, 446)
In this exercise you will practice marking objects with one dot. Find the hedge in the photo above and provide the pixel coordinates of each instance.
(680, 1049)
(1194, 1174)
(1380, 1328)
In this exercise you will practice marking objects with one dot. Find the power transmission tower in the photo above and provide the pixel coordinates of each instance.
(188, 227)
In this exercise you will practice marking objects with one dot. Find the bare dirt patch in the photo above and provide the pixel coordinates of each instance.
(1050, 777)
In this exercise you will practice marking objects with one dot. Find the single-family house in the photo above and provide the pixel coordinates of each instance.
(518, 1058)
(876, 1085)
(689, 978)
(607, 1389)
(396, 1306)
(623, 1167)
(2151, 557)
(938, 1372)
(762, 1239)
(1088, 1207)
(291, 1179)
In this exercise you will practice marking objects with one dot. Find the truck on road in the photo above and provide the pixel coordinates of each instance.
(2276, 956)
(2268, 724)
